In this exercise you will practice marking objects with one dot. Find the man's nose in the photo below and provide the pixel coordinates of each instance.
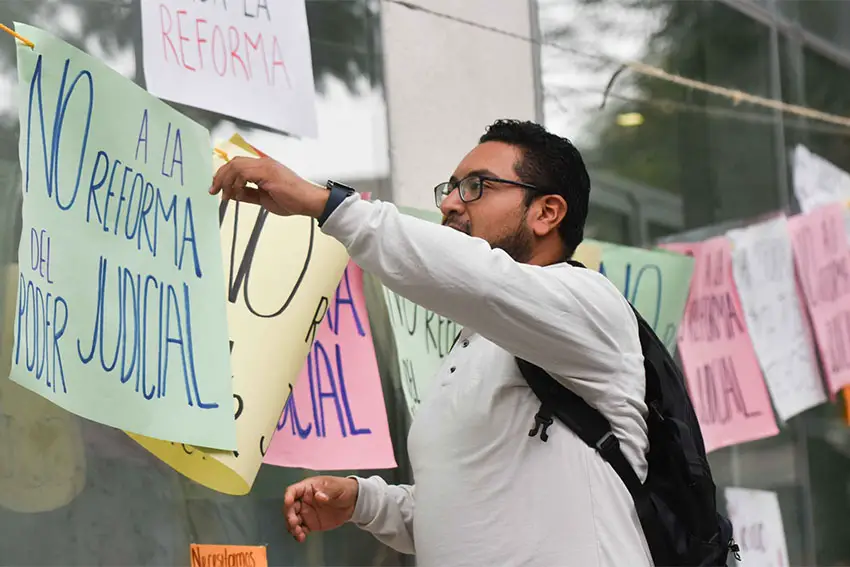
(452, 203)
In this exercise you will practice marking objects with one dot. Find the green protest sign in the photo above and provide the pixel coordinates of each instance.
(422, 337)
(656, 282)
(121, 312)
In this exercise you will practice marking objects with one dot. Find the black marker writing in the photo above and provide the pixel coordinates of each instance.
(408, 375)
(239, 281)
(440, 332)
(719, 392)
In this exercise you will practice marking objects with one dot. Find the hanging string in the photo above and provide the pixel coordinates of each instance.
(736, 96)
(17, 36)
(669, 106)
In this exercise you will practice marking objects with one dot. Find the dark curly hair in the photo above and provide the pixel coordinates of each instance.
(554, 165)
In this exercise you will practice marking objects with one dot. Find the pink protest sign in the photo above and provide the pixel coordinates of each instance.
(822, 256)
(686, 248)
(335, 418)
(723, 374)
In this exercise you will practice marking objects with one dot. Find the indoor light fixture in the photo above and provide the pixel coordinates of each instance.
(628, 119)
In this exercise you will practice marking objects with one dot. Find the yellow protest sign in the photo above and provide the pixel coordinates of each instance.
(280, 273)
(589, 253)
(42, 465)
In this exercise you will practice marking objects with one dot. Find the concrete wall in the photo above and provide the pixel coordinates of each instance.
(446, 81)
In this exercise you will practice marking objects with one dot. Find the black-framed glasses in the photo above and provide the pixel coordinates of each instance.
(471, 188)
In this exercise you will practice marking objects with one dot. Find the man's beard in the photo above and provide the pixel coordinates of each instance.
(517, 244)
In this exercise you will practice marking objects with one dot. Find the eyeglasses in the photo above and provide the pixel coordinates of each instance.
(471, 188)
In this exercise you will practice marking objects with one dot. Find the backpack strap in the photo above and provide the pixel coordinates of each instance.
(591, 427)
(585, 421)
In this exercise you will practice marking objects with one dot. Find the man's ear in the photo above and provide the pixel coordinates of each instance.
(548, 211)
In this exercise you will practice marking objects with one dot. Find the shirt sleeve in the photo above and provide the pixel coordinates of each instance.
(567, 320)
(386, 511)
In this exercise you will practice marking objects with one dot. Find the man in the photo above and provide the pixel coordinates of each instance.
(486, 492)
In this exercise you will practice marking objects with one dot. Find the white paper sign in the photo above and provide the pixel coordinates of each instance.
(818, 182)
(757, 525)
(763, 267)
(249, 59)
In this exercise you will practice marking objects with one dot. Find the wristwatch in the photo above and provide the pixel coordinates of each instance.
(338, 194)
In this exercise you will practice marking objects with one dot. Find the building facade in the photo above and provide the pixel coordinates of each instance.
(403, 94)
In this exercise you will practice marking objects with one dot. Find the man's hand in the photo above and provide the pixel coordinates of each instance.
(278, 189)
(319, 503)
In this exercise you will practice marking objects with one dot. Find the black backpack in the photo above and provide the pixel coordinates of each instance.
(676, 505)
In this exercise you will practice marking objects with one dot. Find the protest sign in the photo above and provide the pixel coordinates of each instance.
(589, 253)
(42, 458)
(723, 375)
(822, 256)
(335, 417)
(121, 314)
(818, 182)
(422, 337)
(763, 268)
(757, 526)
(228, 555)
(656, 282)
(684, 248)
(282, 272)
(250, 59)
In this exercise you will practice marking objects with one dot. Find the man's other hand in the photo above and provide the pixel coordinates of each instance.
(318, 504)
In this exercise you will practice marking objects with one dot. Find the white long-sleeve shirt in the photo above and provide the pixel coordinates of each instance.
(485, 492)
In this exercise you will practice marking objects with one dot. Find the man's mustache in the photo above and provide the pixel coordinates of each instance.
(453, 221)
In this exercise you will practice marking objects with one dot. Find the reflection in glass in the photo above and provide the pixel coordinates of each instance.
(720, 158)
(727, 162)
(607, 225)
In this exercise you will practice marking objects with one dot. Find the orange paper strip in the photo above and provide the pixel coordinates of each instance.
(228, 555)
(846, 392)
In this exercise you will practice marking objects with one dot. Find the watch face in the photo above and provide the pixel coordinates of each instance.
(346, 188)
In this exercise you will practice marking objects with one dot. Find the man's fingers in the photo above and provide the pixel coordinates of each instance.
(293, 493)
(293, 515)
(295, 524)
(245, 194)
(220, 176)
(298, 510)
(239, 168)
(300, 534)
(249, 195)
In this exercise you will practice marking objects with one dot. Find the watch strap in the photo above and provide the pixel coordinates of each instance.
(338, 194)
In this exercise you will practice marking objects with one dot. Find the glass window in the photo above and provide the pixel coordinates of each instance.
(823, 82)
(656, 231)
(117, 504)
(718, 157)
(824, 433)
(607, 225)
(826, 19)
(725, 162)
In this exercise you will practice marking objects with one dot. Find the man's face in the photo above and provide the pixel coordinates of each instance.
(499, 216)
